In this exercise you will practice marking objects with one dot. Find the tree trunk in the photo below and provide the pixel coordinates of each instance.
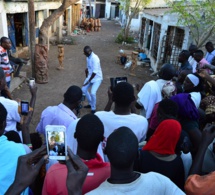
(127, 28)
(31, 18)
(41, 49)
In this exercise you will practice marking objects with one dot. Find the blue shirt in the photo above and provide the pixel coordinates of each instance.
(9, 153)
(209, 56)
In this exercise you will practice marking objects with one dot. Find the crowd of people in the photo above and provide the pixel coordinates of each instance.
(160, 142)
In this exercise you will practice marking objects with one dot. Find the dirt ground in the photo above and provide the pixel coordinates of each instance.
(103, 44)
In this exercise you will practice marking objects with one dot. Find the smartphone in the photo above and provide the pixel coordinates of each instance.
(115, 81)
(56, 142)
(24, 107)
(120, 79)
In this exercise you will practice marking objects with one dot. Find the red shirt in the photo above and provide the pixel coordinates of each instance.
(55, 180)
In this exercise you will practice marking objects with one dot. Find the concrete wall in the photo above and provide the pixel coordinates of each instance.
(3, 20)
(20, 7)
(165, 21)
(107, 9)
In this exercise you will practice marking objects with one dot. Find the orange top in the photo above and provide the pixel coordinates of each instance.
(200, 185)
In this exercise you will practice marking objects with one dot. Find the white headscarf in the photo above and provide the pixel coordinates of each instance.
(194, 79)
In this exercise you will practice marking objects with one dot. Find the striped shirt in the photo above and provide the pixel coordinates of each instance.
(5, 63)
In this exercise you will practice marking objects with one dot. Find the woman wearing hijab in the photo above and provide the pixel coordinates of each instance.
(193, 85)
(188, 116)
(159, 154)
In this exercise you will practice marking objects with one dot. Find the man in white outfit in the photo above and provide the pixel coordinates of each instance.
(93, 78)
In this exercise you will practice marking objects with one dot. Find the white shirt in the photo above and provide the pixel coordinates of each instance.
(150, 184)
(210, 56)
(111, 121)
(196, 97)
(93, 66)
(161, 83)
(12, 113)
(55, 115)
(193, 63)
(149, 95)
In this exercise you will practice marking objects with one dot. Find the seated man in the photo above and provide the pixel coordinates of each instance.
(89, 133)
(122, 150)
(62, 114)
(16, 63)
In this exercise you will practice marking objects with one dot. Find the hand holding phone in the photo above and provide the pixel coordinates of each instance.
(56, 142)
(24, 107)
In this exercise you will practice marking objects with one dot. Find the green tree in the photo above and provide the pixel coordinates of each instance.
(131, 8)
(198, 15)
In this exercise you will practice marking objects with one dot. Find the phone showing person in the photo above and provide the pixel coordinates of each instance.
(24, 107)
(56, 142)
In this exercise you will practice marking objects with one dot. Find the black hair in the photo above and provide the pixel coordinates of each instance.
(3, 39)
(13, 136)
(193, 47)
(3, 117)
(3, 114)
(87, 49)
(89, 132)
(122, 148)
(73, 94)
(185, 53)
(167, 109)
(167, 72)
(209, 44)
(36, 140)
(199, 53)
(123, 94)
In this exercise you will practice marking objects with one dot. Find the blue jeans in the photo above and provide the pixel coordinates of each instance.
(8, 84)
(91, 97)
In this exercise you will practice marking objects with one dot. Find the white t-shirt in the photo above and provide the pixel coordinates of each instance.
(12, 113)
(93, 66)
(150, 184)
(111, 121)
(138, 124)
(193, 63)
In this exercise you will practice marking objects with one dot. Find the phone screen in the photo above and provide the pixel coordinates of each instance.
(24, 107)
(121, 79)
(56, 142)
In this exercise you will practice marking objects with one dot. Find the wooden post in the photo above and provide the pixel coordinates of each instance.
(31, 19)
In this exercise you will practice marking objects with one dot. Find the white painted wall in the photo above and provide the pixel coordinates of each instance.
(135, 24)
(107, 9)
(20, 7)
(3, 21)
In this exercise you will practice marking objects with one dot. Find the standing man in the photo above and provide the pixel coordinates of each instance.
(210, 51)
(4, 59)
(93, 78)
